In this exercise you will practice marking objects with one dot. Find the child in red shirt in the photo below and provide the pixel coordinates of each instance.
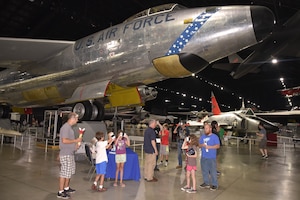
(164, 146)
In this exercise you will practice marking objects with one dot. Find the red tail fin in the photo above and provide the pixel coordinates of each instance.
(214, 105)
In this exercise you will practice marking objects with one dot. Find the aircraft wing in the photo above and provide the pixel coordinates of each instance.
(280, 113)
(16, 52)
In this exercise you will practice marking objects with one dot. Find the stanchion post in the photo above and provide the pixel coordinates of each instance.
(29, 138)
(15, 140)
(22, 139)
(142, 152)
(237, 142)
(249, 143)
(284, 148)
(46, 146)
(134, 145)
(2, 138)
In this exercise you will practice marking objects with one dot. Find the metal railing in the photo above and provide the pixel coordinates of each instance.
(281, 140)
(138, 142)
(138, 139)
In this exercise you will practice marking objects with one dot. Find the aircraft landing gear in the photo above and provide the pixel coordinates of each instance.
(89, 111)
(83, 109)
(98, 111)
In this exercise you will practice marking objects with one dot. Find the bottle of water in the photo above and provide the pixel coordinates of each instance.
(206, 145)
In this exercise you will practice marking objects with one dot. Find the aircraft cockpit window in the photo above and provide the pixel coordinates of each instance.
(158, 9)
(250, 112)
(165, 8)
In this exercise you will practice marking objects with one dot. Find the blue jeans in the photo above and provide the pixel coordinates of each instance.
(209, 168)
(179, 152)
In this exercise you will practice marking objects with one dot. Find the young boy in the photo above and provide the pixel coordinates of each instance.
(101, 161)
(164, 147)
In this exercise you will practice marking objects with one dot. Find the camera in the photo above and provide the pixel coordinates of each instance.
(191, 152)
(188, 139)
(122, 134)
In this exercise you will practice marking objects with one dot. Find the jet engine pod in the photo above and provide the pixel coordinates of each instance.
(179, 65)
(263, 21)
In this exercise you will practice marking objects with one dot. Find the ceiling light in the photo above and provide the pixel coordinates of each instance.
(274, 61)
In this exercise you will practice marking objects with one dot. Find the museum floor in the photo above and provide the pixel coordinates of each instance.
(33, 174)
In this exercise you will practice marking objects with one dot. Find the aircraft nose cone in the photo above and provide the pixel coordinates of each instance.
(263, 21)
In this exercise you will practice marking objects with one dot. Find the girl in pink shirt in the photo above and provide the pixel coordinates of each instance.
(121, 142)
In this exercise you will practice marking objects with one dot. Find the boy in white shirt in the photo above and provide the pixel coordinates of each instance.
(101, 161)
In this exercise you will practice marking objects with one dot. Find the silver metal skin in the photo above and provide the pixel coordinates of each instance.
(172, 42)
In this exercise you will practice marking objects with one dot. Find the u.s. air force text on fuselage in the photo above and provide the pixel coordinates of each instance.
(110, 33)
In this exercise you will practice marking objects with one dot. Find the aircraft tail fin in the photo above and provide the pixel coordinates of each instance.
(243, 104)
(215, 109)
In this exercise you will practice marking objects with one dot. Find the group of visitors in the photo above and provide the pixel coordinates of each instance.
(189, 143)
(68, 145)
(208, 143)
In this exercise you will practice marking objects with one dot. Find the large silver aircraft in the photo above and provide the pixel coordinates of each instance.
(112, 67)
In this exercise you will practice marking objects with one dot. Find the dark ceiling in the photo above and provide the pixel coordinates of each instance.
(72, 20)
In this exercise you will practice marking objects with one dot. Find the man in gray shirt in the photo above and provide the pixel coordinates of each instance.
(67, 145)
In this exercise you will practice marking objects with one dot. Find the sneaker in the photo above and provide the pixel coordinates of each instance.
(179, 167)
(102, 189)
(213, 188)
(160, 163)
(263, 156)
(218, 173)
(153, 180)
(266, 156)
(166, 164)
(94, 187)
(191, 191)
(204, 185)
(70, 190)
(63, 195)
(185, 188)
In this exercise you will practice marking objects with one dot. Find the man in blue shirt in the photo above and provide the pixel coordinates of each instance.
(150, 151)
(209, 143)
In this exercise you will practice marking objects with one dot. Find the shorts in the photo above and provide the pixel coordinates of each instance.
(164, 149)
(67, 168)
(262, 144)
(120, 158)
(101, 168)
(190, 168)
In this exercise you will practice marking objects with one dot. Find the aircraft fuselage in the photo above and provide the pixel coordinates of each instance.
(140, 51)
